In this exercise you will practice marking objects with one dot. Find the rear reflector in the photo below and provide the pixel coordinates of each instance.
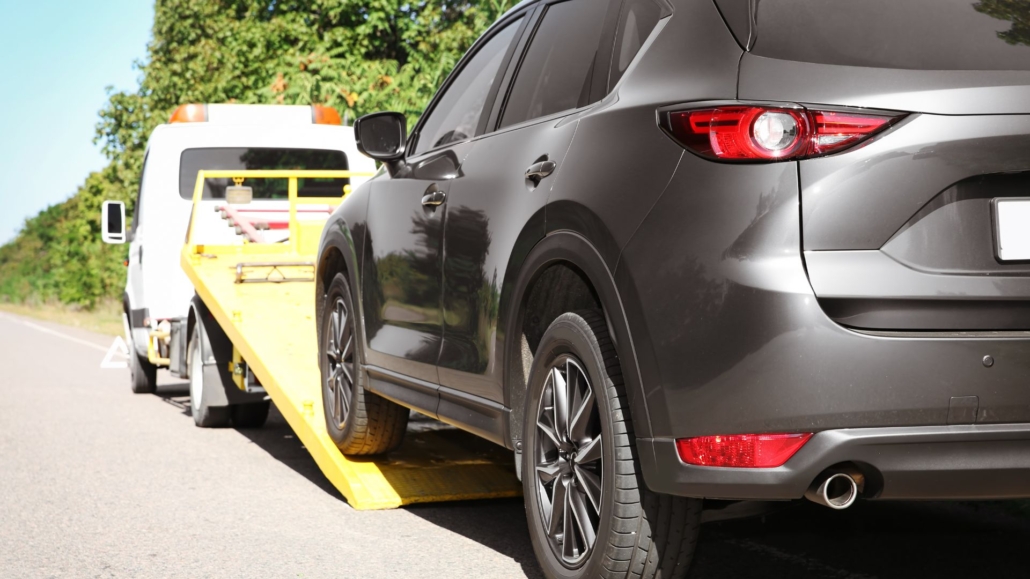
(189, 114)
(765, 133)
(741, 450)
(323, 115)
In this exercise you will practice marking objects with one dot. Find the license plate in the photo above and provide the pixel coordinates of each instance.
(1012, 224)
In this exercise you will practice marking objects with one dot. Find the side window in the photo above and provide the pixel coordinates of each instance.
(559, 67)
(139, 196)
(638, 19)
(456, 115)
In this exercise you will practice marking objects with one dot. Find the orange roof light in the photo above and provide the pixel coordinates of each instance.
(323, 115)
(189, 114)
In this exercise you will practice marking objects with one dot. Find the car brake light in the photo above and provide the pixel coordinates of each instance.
(741, 450)
(768, 133)
(189, 114)
(323, 115)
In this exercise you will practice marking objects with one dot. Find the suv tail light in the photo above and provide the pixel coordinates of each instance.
(769, 133)
(741, 450)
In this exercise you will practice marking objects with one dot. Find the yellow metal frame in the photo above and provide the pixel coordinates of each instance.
(272, 329)
(152, 353)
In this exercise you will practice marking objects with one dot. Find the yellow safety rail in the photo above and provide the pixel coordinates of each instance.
(272, 327)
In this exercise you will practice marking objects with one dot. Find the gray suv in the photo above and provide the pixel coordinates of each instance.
(674, 250)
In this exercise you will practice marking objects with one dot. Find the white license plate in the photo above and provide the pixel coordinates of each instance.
(1012, 224)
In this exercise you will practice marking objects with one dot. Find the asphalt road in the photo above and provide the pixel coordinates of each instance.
(98, 482)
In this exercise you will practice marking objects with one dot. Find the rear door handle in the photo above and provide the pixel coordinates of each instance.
(538, 171)
(434, 197)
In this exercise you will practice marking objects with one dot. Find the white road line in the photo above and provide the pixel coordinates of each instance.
(55, 333)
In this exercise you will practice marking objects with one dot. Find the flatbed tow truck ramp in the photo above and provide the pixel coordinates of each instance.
(262, 295)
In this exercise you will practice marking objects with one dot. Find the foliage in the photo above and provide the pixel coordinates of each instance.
(358, 56)
(1015, 11)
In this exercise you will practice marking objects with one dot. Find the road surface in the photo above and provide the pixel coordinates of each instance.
(98, 482)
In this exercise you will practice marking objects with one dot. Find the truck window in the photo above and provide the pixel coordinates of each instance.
(253, 158)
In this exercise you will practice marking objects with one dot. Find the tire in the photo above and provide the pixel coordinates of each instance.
(142, 373)
(358, 421)
(251, 415)
(204, 415)
(638, 533)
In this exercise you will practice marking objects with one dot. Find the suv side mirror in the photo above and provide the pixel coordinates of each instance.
(112, 222)
(382, 136)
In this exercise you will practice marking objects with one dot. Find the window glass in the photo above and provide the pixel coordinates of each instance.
(559, 67)
(638, 19)
(457, 113)
(193, 160)
(914, 34)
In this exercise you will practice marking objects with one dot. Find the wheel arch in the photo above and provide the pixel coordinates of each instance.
(580, 259)
(338, 253)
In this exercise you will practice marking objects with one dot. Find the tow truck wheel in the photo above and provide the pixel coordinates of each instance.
(251, 415)
(204, 415)
(358, 421)
(590, 513)
(143, 373)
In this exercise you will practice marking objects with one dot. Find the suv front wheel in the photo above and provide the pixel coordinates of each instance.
(590, 514)
(358, 421)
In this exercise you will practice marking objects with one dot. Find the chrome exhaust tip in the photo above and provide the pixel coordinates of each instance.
(837, 490)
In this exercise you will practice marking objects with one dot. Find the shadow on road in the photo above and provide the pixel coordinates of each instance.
(882, 540)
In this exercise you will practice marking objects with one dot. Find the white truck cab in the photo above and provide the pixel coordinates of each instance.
(205, 137)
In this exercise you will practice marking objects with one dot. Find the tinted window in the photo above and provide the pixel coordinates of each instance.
(193, 160)
(457, 113)
(114, 220)
(638, 19)
(914, 34)
(558, 70)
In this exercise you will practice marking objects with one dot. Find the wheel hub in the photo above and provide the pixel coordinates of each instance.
(569, 462)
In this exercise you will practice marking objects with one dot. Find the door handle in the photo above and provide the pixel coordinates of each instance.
(538, 171)
(434, 198)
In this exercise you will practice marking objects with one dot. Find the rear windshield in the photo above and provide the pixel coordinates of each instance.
(193, 160)
(906, 34)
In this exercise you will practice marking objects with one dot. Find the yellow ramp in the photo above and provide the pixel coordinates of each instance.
(272, 325)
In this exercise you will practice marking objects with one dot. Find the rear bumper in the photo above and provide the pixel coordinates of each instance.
(990, 461)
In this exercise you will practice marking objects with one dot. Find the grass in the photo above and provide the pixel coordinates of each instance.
(106, 318)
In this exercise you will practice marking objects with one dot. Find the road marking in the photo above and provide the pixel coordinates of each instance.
(56, 333)
(118, 348)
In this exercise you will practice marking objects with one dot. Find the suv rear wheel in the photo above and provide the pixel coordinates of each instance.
(590, 514)
(358, 421)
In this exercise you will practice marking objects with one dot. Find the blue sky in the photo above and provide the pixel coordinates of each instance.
(56, 58)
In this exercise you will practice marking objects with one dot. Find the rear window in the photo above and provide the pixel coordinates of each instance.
(909, 34)
(193, 160)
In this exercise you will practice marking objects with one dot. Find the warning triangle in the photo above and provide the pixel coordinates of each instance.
(118, 349)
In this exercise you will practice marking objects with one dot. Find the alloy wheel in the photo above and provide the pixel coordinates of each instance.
(569, 473)
(340, 353)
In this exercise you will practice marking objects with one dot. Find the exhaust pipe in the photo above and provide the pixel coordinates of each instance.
(835, 489)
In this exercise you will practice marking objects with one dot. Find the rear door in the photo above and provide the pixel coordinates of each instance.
(563, 68)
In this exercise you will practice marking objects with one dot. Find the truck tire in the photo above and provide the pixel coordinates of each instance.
(204, 415)
(142, 373)
(580, 469)
(359, 422)
(251, 415)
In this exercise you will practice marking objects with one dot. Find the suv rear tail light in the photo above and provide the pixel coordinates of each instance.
(741, 450)
(768, 133)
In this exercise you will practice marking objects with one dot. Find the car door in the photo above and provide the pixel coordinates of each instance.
(403, 278)
(506, 181)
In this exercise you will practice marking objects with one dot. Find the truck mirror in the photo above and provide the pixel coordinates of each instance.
(112, 222)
